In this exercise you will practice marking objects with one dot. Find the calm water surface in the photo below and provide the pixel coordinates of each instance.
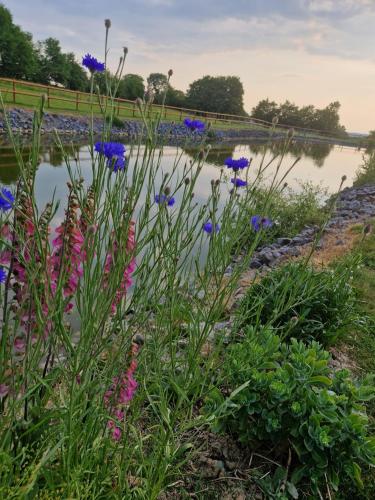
(320, 164)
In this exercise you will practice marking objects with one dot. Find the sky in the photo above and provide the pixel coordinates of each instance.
(306, 51)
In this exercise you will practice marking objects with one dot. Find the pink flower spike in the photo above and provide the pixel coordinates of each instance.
(19, 345)
(4, 390)
(116, 434)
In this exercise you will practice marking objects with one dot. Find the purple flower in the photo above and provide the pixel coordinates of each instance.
(3, 275)
(258, 222)
(114, 152)
(238, 182)
(162, 198)
(236, 165)
(116, 163)
(92, 64)
(194, 124)
(6, 199)
(208, 227)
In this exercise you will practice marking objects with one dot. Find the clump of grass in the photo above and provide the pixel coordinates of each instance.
(366, 172)
(302, 302)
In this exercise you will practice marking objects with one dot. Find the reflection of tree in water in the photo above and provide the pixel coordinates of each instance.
(216, 155)
(49, 153)
(317, 152)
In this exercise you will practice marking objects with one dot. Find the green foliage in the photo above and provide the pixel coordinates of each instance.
(157, 84)
(175, 98)
(326, 119)
(366, 172)
(116, 122)
(302, 302)
(220, 94)
(17, 55)
(285, 396)
(131, 86)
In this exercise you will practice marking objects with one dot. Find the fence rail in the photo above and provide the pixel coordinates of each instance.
(60, 99)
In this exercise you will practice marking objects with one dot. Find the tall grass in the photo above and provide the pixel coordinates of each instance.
(103, 410)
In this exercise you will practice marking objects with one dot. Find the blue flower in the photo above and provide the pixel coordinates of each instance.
(208, 227)
(162, 198)
(6, 199)
(3, 275)
(114, 152)
(116, 163)
(92, 64)
(236, 164)
(194, 124)
(238, 182)
(258, 222)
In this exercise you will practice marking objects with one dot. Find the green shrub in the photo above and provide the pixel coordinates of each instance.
(366, 172)
(302, 302)
(116, 122)
(282, 395)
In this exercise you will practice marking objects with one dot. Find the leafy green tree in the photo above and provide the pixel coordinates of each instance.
(157, 83)
(131, 86)
(53, 67)
(17, 54)
(220, 94)
(175, 98)
(76, 77)
(265, 110)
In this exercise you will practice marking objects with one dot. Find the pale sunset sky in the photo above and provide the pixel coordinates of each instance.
(307, 51)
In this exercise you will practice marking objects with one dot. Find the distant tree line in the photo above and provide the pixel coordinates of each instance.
(287, 113)
(44, 62)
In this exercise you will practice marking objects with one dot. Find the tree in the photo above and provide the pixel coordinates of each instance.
(17, 54)
(175, 98)
(76, 76)
(265, 110)
(220, 94)
(157, 83)
(53, 65)
(131, 86)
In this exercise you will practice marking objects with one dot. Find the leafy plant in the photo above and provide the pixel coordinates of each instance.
(284, 396)
(303, 302)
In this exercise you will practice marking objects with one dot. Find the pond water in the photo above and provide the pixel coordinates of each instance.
(319, 164)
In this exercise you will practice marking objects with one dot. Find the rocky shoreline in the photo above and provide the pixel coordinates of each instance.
(355, 205)
(79, 127)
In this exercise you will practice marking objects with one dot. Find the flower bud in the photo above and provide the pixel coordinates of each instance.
(126, 50)
(343, 178)
(291, 133)
(167, 190)
(107, 23)
(275, 120)
(139, 103)
(217, 182)
(212, 182)
(170, 73)
(187, 181)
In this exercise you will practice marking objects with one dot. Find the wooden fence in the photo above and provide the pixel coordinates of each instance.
(60, 99)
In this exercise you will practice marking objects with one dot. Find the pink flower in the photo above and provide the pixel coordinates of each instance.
(4, 390)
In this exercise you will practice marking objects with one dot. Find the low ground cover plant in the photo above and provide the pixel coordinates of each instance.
(283, 396)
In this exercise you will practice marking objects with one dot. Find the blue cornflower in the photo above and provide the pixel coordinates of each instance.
(92, 64)
(236, 164)
(6, 199)
(238, 182)
(114, 152)
(116, 163)
(258, 222)
(208, 227)
(194, 124)
(162, 198)
(3, 275)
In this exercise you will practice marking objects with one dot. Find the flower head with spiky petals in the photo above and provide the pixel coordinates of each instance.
(236, 165)
(208, 227)
(238, 182)
(194, 125)
(258, 222)
(92, 64)
(6, 199)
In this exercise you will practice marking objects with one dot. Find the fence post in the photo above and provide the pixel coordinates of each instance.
(47, 97)
(14, 92)
(77, 97)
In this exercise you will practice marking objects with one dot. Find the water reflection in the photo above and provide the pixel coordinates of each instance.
(317, 152)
